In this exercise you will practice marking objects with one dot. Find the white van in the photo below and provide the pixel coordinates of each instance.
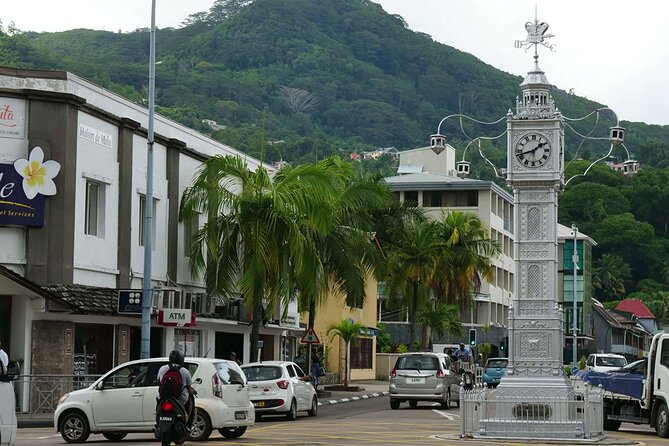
(8, 404)
(605, 362)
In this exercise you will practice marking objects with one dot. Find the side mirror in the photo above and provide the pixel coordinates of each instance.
(13, 372)
(100, 386)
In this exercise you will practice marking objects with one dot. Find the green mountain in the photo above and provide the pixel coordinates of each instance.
(310, 78)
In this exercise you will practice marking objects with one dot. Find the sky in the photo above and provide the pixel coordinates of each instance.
(615, 52)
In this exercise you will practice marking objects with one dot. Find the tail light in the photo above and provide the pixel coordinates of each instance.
(217, 389)
(393, 373)
(282, 384)
(440, 373)
(167, 406)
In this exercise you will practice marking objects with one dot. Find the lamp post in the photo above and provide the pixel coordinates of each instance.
(147, 290)
(574, 260)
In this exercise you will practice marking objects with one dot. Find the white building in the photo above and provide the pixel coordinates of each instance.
(59, 279)
(429, 180)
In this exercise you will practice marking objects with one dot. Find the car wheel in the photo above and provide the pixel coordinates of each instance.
(314, 407)
(447, 403)
(413, 403)
(74, 428)
(662, 421)
(394, 404)
(114, 436)
(201, 429)
(291, 415)
(232, 432)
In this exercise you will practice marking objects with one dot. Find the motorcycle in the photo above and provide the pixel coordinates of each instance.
(172, 421)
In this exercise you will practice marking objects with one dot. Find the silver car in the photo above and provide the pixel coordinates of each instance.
(424, 376)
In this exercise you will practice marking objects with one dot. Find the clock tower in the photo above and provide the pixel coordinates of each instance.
(535, 163)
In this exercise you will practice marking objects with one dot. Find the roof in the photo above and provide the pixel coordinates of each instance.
(436, 181)
(635, 307)
(564, 233)
(18, 284)
(86, 299)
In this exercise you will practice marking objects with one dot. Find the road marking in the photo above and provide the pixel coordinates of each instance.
(448, 416)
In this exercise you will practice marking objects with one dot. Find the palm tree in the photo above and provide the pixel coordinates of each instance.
(347, 251)
(254, 238)
(414, 260)
(609, 275)
(439, 318)
(347, 330)
(469, 260)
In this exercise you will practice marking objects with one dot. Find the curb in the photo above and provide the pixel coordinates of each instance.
(34, 422)
(352, 398)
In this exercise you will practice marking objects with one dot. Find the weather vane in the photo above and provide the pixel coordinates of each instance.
(536, 35)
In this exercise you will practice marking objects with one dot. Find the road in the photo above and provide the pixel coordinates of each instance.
(364, 422)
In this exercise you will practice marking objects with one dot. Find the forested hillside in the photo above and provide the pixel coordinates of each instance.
(302, 79)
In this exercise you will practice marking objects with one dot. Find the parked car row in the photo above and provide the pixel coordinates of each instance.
(229, 398)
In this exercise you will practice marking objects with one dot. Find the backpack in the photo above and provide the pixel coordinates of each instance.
(171, 384)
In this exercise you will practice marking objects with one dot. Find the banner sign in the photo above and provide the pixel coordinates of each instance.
(23, 186)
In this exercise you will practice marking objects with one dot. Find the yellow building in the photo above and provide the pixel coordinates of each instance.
(363, 351)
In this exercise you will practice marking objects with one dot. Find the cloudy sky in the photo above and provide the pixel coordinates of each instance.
(615, 52)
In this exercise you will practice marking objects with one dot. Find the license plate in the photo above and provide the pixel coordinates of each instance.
(165, 418)
(240, 415)
(416, 380)
(259, 404)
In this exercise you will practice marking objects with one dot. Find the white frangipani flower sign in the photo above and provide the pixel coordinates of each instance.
(37, 174)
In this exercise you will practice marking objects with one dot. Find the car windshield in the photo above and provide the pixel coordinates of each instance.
(610, 361)
(262, 372)
(497, 363)
(418, 362)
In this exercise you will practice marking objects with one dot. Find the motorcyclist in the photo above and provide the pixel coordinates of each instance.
(176, 359)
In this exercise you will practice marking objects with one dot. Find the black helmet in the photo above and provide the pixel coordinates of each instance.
(176, 357)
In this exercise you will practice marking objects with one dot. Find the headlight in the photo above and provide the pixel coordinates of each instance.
(63, 398)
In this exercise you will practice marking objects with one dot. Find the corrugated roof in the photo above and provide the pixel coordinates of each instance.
(636, 307)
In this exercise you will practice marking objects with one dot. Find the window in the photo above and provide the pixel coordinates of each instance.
(190, 228)
(361, 353)
(94, 219)
(411, 197)
(142, 215)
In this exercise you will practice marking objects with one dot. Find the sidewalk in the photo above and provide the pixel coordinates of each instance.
(368, 389)
(372, 389)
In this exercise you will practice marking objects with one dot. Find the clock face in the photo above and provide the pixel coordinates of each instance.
(533, 150)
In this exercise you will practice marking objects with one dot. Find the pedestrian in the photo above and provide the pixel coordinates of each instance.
(233, 357)
(4, 360)
(300, 359)
(315, 366)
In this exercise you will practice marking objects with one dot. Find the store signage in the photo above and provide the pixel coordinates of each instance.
(176, 317)
(12, 118)
(96, 136)
(129, 302)
(23, 186)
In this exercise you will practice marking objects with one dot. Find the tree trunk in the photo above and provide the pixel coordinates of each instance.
(346, 366)
(255, 327)
(412, 317)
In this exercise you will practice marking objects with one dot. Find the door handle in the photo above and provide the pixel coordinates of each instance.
(136, 394)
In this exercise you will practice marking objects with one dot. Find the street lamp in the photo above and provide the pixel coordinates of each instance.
(147, 290)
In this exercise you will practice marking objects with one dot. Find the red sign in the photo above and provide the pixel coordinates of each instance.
(310, 337)
(174, 317)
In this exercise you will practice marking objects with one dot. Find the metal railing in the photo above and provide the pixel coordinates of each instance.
(531, 413)
(38, 394)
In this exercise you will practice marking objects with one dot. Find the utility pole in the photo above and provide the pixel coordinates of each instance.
(574, 260)
(147, 289)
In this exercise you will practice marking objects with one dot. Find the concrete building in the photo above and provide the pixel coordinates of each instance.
(429, 181)
(72, 243)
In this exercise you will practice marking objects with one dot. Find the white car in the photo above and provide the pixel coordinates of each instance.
(605, 362)
(7, 404)
(280, 387)
(124, 400)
